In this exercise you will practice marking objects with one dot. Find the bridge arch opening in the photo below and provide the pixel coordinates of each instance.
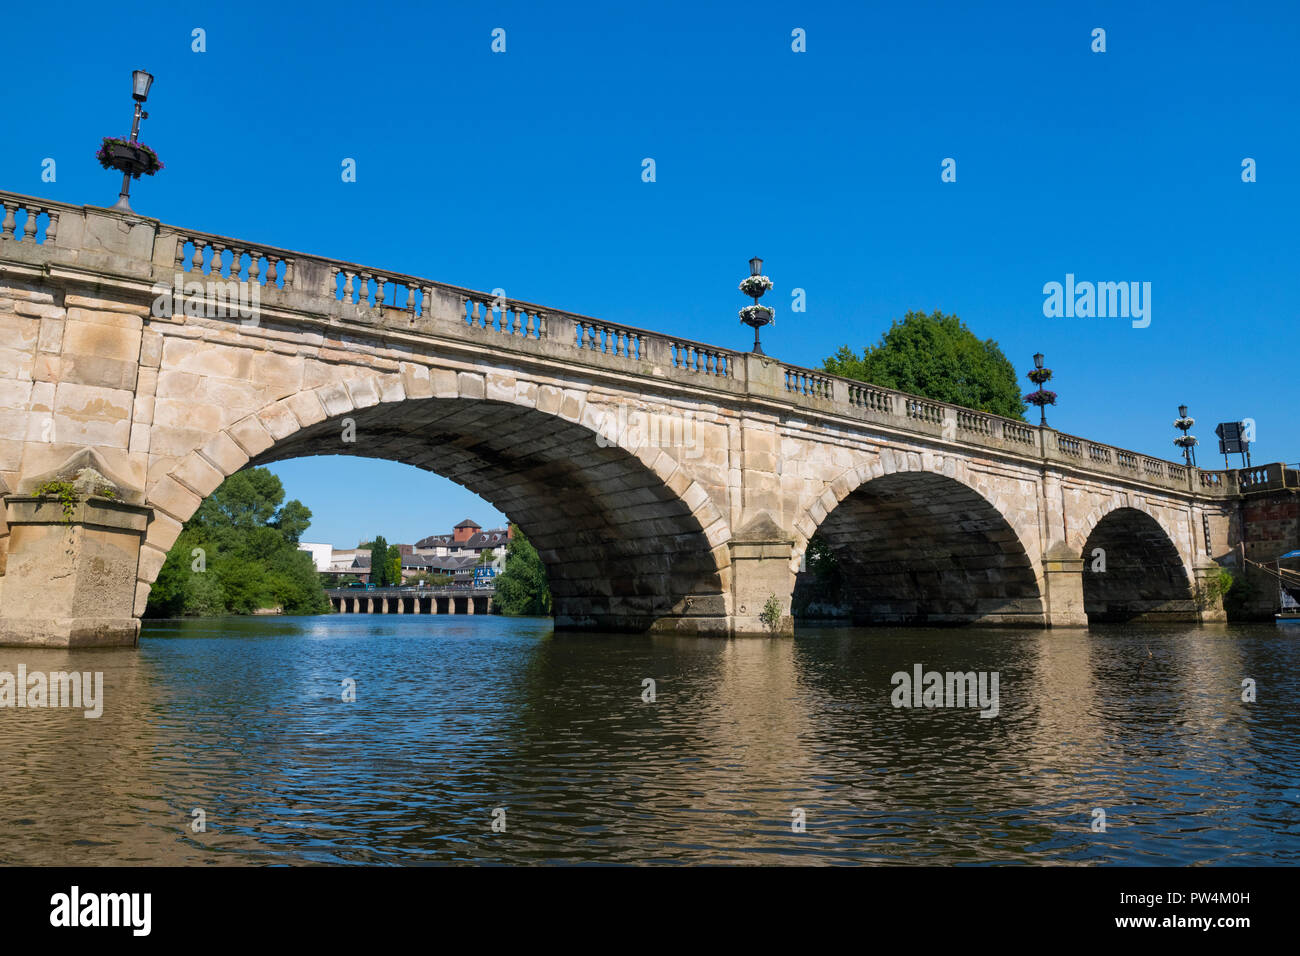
(623, 549)
(1132, 571)
(917, 548)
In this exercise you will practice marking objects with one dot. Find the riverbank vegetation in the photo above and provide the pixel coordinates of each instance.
(522, 589)
(238, 554)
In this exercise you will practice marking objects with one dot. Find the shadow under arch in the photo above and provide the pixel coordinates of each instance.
(1144, 576)
(624, 550)
(922, 548)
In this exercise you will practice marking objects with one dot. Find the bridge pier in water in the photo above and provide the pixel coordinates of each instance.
(668, 486)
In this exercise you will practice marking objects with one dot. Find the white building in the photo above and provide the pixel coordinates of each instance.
(321, 554)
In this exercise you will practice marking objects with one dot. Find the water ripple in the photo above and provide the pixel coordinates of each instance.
(456, 719)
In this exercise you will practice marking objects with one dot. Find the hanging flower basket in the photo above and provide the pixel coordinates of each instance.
(754, 286)
(128, 156)
(1041, 397)
(757, 315)
(1039, 375)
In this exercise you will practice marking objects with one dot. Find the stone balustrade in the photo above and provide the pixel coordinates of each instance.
(802, 381)
(299, 288)
(31, 211)
(698, 358)
(1271, 477)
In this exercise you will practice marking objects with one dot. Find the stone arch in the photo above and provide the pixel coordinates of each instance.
(637, 544)
(1140, 575)
(1100, 511)
(924, 539)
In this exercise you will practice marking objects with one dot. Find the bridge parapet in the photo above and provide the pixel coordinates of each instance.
(911, 413)
(1264, 478)
(295, 287)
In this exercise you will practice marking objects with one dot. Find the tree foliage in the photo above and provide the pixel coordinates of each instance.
(431, 579)
(522, 588)
(379, 564)
(247, 555)
(936, 356)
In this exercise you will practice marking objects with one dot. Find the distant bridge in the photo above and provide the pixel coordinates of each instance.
(667, 484)
(411, 600)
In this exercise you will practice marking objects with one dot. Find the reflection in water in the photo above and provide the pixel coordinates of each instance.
(455, 717)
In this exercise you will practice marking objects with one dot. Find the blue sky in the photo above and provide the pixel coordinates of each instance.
(522, 170)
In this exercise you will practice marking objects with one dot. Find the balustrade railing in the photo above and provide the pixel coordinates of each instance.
(923, 411)
(197, 254)
(1267, 477)
(977, 424)
(594, 336)
(804, 382)
(1023, 434)
(503, 315)
(299, 281)
(694, 357)
(871, 398)
(12, 207)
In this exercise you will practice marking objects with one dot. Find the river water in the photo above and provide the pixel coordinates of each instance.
(461, 722)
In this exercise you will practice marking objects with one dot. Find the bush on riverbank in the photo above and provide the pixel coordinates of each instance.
(239, 553)
(522, 589)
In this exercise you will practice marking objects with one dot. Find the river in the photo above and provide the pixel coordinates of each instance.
(752, 751)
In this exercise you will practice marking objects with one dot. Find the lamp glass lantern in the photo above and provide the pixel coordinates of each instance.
(140, 83)
(756, 266)
(1038, 360)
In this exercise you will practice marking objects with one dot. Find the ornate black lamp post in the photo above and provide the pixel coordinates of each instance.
(1042, 397)
(756, 316)
(129, 155)
(1185, 441)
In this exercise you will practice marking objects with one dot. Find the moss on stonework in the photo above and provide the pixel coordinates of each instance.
(62, 490)
(88, 483)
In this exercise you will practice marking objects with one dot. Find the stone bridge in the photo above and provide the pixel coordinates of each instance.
(411, 600)
(668, 485)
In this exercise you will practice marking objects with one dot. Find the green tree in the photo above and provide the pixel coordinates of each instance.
(379, 561)
(293, 520)
(238, 553)
(247, 499)
(433, 579)
(936, 356)
(394, 565)
(522, 588)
